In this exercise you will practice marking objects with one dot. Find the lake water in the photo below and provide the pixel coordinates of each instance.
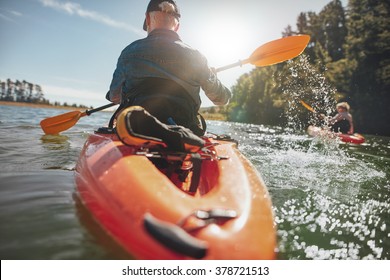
(331, 200)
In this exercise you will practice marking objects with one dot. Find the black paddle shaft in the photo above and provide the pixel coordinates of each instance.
(88, 112)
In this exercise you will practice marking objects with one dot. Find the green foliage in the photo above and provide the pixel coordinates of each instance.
(350, 48)
(256, 99)
(368, 49)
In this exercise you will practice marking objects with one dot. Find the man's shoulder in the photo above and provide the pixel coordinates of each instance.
(134, 44)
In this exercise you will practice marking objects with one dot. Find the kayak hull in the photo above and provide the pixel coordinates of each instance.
(346, 138)
(354, 138)
(122, 188)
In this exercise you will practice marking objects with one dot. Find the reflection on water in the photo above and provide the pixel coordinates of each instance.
(331, 200)
(55, 142)
(112, 249)
(36, 217)
(58, 148)
(39, 219)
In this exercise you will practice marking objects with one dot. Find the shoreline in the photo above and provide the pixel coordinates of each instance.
(206, 115)
(34, 105)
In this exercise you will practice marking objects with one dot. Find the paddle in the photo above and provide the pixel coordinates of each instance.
(311, 109)
(268, 54)
(308, 107)
(56, 124)
(274, 52)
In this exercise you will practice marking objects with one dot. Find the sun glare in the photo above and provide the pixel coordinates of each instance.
(224, 43)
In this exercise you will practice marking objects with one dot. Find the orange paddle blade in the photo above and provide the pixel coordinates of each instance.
(279, 50)
(56, 124)
(307, 106)
(274, 52)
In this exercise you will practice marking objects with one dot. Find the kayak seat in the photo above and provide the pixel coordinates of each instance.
(136, 127)
(177, 166)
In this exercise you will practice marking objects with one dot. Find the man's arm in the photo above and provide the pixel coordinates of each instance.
(115, 93)
(215, 90)
(351, 128)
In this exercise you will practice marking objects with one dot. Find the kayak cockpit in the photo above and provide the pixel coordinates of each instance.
(193, 173)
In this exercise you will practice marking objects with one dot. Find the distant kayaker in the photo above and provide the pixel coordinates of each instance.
(342, 121)
(164, 75)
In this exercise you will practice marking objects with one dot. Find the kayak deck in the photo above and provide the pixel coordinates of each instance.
(147, 201)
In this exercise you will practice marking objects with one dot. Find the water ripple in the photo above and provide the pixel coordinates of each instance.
(331, 200)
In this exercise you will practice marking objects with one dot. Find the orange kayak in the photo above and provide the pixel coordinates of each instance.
(346, 138)
(164, 205)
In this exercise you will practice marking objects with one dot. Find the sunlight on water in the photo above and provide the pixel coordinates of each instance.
(331, 200)
(328, 202)
(319, 191)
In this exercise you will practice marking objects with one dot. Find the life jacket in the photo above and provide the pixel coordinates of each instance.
(342, 126)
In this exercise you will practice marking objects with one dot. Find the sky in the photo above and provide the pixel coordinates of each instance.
(70, 48)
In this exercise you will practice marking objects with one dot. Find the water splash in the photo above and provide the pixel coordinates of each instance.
(329, 201)
(310, 86)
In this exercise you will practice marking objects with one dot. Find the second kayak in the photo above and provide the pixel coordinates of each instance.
(346, 138)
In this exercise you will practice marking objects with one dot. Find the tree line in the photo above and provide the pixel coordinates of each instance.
(24, 91)
(21, 91)
(349, 51)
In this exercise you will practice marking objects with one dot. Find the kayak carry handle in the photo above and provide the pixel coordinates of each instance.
(175, 238)
(216, 214)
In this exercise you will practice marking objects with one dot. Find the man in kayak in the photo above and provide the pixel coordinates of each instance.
(342, 121)
(164, 75)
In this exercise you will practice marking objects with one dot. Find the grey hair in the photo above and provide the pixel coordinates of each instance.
(167, 7)
(163, 18)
